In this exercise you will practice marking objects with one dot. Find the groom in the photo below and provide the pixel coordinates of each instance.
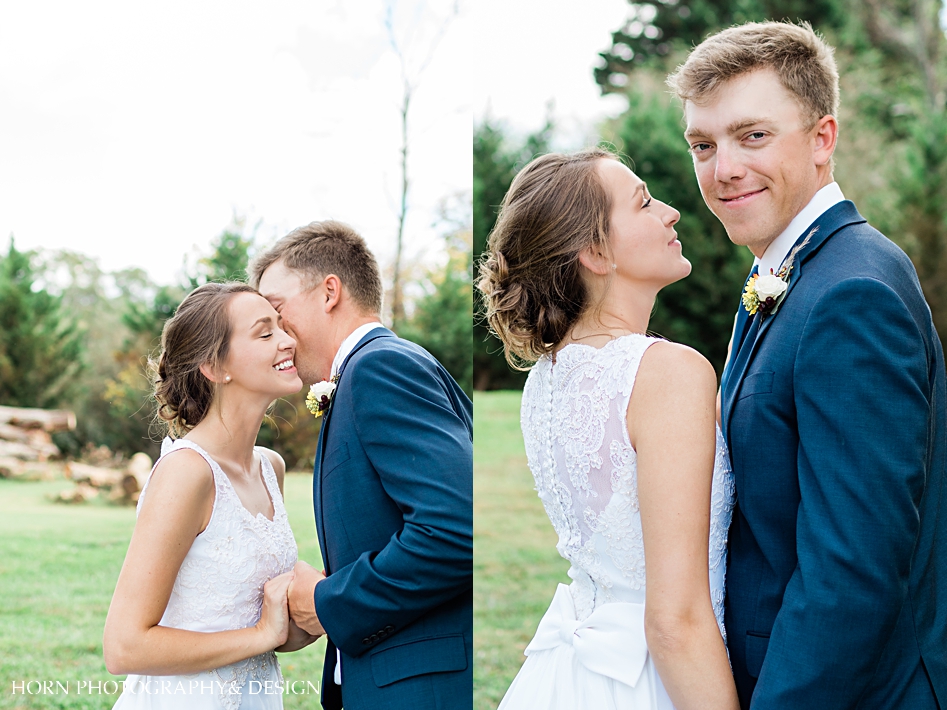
(392, 488)
(833, 398)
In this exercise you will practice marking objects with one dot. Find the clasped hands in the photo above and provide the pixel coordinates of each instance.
(289, 610)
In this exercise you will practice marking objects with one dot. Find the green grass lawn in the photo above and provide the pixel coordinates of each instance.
(516, 566)
(58, 568)
(59, 564)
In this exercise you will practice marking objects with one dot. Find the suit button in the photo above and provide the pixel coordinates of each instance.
(389, 628)
(382, 634)
(373, 637)
(366, 641)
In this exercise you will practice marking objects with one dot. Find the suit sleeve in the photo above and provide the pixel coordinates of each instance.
(423, 453)
(862, 395)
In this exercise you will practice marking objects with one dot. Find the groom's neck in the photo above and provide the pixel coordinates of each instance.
(343, 328)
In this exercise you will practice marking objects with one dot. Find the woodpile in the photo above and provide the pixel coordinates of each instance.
(26, 442)
(27, 452)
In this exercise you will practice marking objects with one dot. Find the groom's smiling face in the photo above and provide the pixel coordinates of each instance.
(299, 309)
(757, 160)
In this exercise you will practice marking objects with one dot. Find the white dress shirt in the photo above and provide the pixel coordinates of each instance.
(778, 250)
(347, 346)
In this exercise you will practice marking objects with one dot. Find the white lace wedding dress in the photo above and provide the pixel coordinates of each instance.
(220, 587)
(589, 652)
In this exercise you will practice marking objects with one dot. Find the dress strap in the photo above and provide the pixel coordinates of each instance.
(169, 446)
(269, 480)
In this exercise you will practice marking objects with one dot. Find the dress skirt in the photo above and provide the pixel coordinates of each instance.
(600, 663)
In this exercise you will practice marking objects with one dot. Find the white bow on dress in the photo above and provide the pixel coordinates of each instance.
(611, 641)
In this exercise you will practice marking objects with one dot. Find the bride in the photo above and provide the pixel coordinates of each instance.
(620, 437)
(200, 603)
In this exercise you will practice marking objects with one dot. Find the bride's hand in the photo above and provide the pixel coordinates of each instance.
(298, 638)
(274, 619)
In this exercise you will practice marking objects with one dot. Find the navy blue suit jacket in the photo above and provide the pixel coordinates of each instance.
(393, 501)
(834, 411)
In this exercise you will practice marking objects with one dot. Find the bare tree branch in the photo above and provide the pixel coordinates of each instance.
(410, 81)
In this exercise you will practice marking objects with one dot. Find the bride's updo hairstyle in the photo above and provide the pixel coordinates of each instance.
(530, 276)
(198, 333)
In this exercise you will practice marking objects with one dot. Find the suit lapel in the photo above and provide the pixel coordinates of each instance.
(740, 327)
(831, 221)
(317, 487)
(321, 447)
(380, 332)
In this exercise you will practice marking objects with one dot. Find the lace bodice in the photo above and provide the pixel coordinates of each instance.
(574, 425)
(220, 583)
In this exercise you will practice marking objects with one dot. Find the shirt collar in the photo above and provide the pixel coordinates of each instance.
(776, 252)
(348, 345)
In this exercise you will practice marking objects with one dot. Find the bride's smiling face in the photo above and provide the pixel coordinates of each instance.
(260, 354)
(644, 246)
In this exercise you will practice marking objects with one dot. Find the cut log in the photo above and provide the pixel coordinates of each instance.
(39, 440)
(126, 492)
(8, 432)
(79, 494)
(123, 487)
(30, 470)
(128, 485)
(11, 467)
(140, 466)
(48, 419)
(29, 452)
(16, 450)
(93, 475)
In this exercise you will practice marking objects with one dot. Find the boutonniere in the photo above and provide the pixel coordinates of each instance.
(320, 396)
(765, 292)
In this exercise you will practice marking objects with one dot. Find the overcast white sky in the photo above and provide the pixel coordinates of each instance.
(132, 132)
(541, 50)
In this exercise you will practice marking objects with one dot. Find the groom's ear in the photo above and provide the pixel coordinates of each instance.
(824, 137)
(332, 292)
(594, 258)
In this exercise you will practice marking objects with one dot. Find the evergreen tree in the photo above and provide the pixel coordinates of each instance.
(440, 322)
(229, 259)
(496, 163)
(41, 349)
(657, 33)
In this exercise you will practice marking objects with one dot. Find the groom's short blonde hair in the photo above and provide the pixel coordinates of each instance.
(800, 58)
(323, 248)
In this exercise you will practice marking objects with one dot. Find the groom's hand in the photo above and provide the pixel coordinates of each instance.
(302, 604)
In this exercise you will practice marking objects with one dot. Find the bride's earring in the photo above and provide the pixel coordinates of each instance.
(614, 267)
(227, 378)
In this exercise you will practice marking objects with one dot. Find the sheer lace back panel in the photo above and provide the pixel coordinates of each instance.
(220, 583)
(574, 425)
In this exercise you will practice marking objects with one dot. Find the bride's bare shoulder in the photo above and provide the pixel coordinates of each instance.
(670, 369)
(673, 397)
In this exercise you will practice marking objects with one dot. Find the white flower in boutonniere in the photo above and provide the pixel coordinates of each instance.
(770, 286)
(320, 395)
(764, 291)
